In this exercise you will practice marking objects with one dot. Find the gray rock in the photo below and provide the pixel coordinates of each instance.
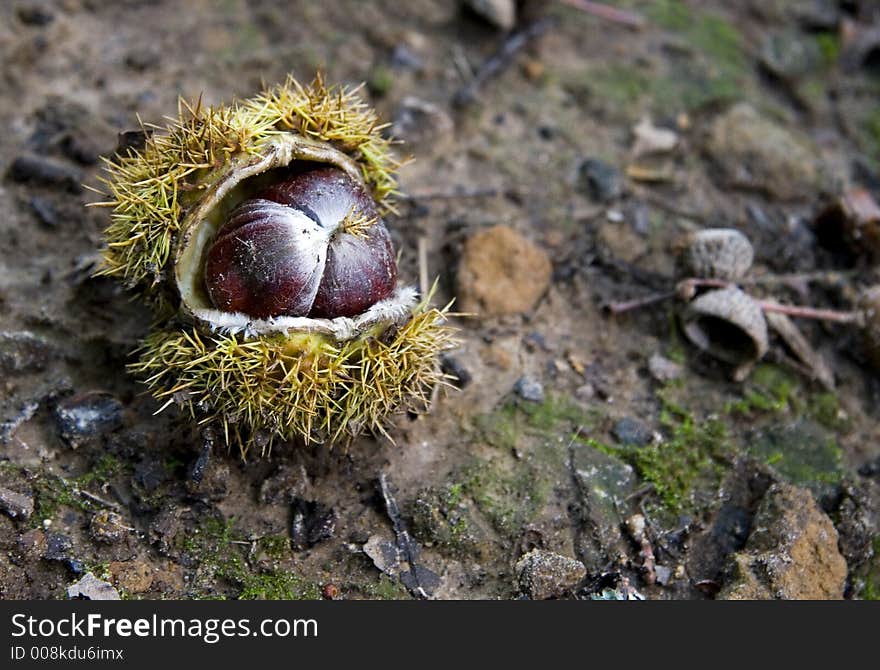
(46, 172)
(529, 389)
(603, 181)
(384, 554)
(86, 417)
(92, 588)
(603, 486)
(545, 574)
(629, 431)
(16, 505)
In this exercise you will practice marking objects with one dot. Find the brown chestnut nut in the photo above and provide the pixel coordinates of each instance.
(310, 245)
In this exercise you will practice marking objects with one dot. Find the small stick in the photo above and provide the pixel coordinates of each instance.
(685, 288)
(638, 303)
(500, 60)
(603, 11)
(100, 501)
(811, 312)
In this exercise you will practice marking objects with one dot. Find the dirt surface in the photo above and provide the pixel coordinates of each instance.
(607, 442)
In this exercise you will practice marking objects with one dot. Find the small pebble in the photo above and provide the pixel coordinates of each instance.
(16, 505)
(529, 389)
(108, 527)
(86, 417)
(46, 171)
(453, 367)
(58, 547)
(313, 522)
(664, 574)
(75, 566)
(545, 574)
(603, 181)
(404, 58)
(629, 431)
(663, 369)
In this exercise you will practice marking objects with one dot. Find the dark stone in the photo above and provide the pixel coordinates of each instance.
(421, 578)
(29, 168)
(312, 523)
(75, 566)
(58, 547)
(197, 469)
(454, 368)
(733, 520)
(629, 431)
(87, 417)
(45, 211)
(603, 181)
(34, 14)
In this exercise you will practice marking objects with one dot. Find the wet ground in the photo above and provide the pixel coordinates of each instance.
(584, 455)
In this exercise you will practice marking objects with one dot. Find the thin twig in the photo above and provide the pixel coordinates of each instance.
(800, 312)
(638, 303)
(607, 13)
(104, 503)
(686, 287)
(500, 60)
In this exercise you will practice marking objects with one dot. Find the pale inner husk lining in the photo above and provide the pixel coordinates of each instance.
(394, 309)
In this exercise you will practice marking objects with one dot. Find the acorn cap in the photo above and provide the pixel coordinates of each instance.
(716, 253)
(727, 324)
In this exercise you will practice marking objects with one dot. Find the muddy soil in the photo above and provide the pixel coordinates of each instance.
(581, 454)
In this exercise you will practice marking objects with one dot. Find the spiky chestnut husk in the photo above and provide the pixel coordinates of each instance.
(308, 386)
(284, 377)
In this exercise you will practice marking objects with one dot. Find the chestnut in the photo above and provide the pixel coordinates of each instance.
(309, 245)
